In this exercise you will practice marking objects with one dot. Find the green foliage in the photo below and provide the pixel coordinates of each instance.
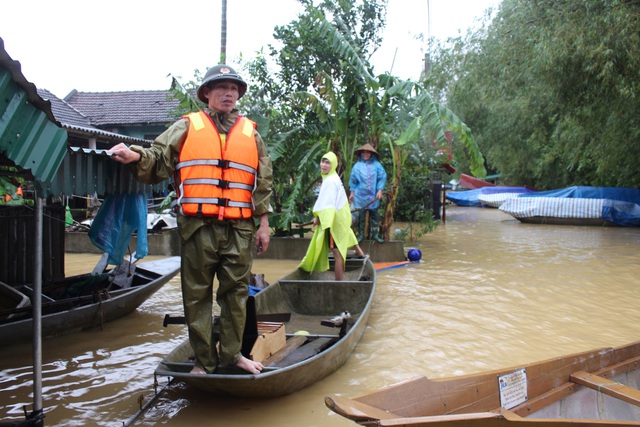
(551, 89)
(9, 187)
(323, 96)
(166, 202)
(185, 94)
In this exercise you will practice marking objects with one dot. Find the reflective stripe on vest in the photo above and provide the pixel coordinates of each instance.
(216, 181)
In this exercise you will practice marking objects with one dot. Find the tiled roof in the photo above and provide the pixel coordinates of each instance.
(64, 112)
(124, 108)
(77, 123)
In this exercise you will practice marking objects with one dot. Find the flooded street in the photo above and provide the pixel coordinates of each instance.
(489, 293)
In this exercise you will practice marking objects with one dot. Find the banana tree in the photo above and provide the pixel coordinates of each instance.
(399, 113)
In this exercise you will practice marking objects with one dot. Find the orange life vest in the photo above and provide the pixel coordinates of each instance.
(217, 181)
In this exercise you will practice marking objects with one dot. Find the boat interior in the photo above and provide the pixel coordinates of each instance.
(309, 311)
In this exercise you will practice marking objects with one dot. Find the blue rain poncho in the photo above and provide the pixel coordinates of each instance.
(367, 177)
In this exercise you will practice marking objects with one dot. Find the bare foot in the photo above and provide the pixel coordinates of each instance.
(249, 365)
(197, 370)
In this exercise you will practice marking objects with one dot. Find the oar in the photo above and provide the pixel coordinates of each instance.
(268, 317)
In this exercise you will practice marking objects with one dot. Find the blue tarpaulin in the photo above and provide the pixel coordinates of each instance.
(622, 194)
(470, 197)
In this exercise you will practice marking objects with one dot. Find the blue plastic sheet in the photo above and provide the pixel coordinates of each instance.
(470, 197)
(120, 215)
(465, 198)
(626, 214)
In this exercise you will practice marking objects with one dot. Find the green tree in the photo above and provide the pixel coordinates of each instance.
(551, 90)
(325, 62)
(324, 96)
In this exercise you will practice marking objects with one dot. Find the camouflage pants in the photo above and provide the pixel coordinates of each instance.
(223, 251)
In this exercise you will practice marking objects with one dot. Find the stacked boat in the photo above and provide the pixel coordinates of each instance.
(578, 205)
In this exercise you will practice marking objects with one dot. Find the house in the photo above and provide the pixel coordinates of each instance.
(62, 155)
(100, 120)
(138, 114)
(32, 147)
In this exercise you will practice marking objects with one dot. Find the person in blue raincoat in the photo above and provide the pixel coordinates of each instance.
(368, 179)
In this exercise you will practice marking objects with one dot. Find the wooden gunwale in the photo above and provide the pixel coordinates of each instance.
(466, 400)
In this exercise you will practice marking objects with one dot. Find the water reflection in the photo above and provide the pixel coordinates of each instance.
(489, 293)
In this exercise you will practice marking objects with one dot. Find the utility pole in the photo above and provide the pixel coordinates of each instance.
(427, 56)
(223, 34)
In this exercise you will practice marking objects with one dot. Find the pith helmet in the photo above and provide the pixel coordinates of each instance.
(367, 147)
(221, 73)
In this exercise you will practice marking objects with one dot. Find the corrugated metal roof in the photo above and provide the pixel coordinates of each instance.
(109, 136)
(86, 171)
(30, 136)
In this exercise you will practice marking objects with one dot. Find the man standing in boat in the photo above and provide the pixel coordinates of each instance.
(223, 178)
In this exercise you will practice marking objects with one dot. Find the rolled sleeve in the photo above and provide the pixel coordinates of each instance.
(158, 162)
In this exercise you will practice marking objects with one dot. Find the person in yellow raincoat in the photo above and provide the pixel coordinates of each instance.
(332, 217)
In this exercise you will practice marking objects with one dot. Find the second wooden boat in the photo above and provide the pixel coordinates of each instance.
(308, 325)
(84, 301)
(593, 388)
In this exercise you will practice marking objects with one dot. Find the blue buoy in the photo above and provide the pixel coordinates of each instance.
(414, 255)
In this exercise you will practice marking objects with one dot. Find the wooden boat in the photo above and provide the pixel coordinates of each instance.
(472, 183)
(85, 301)
(311, 308)
(593, 388)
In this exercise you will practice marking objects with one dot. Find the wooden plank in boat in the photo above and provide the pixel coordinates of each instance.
(271, 338)
(608, 387)
(306, 351)
(293, 344)
(542, 401)
(558, 393)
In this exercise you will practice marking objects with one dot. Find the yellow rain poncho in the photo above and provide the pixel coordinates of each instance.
(332, 209)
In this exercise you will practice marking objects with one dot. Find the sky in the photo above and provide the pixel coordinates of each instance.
(124, 45)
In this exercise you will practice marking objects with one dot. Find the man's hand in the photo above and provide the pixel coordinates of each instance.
(123, 154)
(262, 235)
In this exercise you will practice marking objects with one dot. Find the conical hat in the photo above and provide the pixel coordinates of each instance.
(367, 147)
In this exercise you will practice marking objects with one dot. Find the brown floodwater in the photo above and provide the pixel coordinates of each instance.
(489, 293)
